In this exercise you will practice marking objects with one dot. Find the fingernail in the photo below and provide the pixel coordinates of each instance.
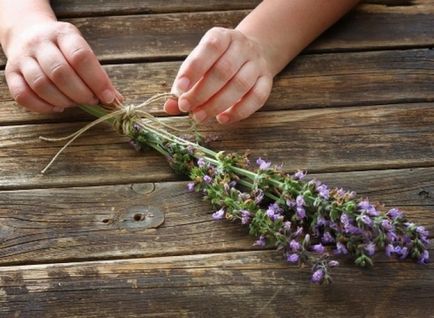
(199, 116)
(184, 105)
(108, 96)
(58, 109)
(223, 119)
(181, 86)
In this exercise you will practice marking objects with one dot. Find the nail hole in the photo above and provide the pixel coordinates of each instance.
(138, 217)
(105, 221)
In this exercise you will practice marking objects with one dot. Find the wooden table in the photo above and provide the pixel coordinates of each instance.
(356, 109)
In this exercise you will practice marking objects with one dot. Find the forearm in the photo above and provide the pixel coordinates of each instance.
(16, 13)
(286, 27)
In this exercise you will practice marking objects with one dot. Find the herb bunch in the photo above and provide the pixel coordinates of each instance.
(309, 222)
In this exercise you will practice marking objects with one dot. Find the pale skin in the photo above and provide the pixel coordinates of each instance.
(50, 65)
(228, 76)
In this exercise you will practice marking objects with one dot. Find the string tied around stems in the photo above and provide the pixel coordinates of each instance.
(123, 118)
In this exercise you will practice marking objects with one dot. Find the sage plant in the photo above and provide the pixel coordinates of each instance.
(309, 222)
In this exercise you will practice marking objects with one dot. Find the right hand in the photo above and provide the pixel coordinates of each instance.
(51, 67)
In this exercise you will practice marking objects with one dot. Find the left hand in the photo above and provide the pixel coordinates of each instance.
(226, 76)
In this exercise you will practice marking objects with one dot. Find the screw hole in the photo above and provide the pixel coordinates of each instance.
(138, 217)
(105, 221)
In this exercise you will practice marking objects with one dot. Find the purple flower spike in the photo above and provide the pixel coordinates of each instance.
(294, 245)
(364, 205)
(298, 232)
(318, 276)
(341, 248)
(404, 252)
(301, 212)
(263, 165)
(274, 211)
(345, 220)
(333, 263)
(299, 175)
(245, 217)
(340, 192)
(351, 229)
(370, 248)
(321, 221)
(261, 242)
(201, 162)
(190, 186)
(389, 250)
(386, 225)
(323, 191)
(318, 248)
(207, 179)
(366, 219)
(391, 236)
(422, 231)
(327, 238)
(270, 213)
(300, 201)
(368, 208)
(287, 226)
(291, 203)
(394, 213)
(293, 258)
(424, 258)
(218, 215)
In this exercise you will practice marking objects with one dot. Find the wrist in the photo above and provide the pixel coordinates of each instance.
(275, 60)
(12, 25)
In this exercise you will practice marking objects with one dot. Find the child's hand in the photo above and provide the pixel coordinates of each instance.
(50, 67)
(226, 75)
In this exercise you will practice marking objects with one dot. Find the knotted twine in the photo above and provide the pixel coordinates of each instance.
(123, 119)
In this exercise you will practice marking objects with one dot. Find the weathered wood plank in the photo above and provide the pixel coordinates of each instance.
(340, 139)
(76, 8)
(164, 36)
(247, 284)
(82, 223)
(339, 79)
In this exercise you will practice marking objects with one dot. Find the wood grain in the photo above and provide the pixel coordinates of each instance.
(341, 139)
(311, 81)
(74, 8)
(82, 223)
(247, 284)
(173, 36)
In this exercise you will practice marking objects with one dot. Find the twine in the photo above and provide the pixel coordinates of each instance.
(123, 119)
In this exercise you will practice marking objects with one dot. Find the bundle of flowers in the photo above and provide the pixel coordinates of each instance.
(308, 221)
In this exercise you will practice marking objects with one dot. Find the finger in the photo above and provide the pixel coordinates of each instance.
(213, 81)
(251, 102)
(231, 94)
(82, 59)
(212, 45)
(58, 70)
(171, 107)
(24, 95)
(42, 85)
